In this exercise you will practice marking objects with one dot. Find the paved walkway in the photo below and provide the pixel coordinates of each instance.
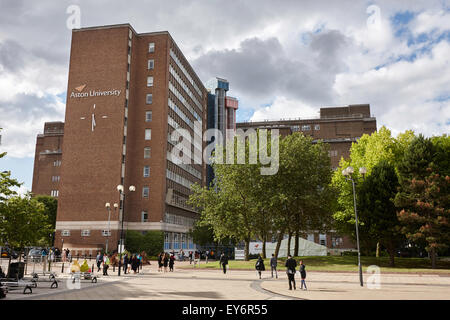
(198, 284)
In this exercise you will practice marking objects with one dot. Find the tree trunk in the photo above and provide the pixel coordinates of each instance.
(264, 247)
(247, 249)
(296, 243)
(433, 258)
(377, 254)
(289, 243)
(391, 251)
(280, 238)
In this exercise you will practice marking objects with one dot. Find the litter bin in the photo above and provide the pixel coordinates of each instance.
(16, 270)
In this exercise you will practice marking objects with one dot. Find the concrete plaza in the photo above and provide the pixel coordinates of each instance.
(198, 284)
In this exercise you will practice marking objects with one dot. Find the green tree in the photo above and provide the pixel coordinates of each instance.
(24, 222)
(51, 207)
(423, 198)
(367, 152)
(152, 242)
(377, 209)
(7, 183)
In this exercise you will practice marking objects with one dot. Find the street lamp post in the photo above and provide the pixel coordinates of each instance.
(120, 188)
(108, 208)
(348, 172)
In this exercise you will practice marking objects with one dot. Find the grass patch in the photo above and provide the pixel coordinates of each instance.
(343, 264)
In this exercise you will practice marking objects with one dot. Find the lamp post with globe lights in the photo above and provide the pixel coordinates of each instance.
(120, 188)
(348, 174)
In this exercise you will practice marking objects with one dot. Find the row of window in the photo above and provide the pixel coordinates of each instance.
(186, 167)
(185, 87)
(185, 103)
(177, 241)
(332, 153)
(187, 145)
(179, 220)
(180, 113)
(85, 233)
(197, 139)
(305, 127)
(178, 179)
(186, 74)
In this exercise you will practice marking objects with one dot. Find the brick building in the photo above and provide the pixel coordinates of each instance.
(48, 156)
(338, 126)
(127, 93)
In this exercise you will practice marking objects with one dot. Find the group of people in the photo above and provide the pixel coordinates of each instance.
(164, 260)
(290, 265)
(132, 263)
(129, 262)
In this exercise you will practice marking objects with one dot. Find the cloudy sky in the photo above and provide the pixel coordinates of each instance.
(282, 58)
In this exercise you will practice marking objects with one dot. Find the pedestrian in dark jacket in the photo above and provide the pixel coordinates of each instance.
(160, 261)
(303, 274)
(259, 266)
(291, 264)
(171, 262)
(166, 261)
(126, 261)
(273, 265)
(134, 263)
(224, 261)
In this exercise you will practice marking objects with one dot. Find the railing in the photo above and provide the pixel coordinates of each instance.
(337, 117)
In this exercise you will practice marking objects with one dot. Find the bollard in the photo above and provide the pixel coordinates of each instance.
(92, 269)
(62, 268)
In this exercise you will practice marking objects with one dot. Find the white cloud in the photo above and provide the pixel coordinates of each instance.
(285, 108)
(431, 22)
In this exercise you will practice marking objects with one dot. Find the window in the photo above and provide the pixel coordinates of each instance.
(148, 134)
(149, 81)
(148, 116)
(106, 233)
(54, 193)
(147, 153)
(144, 216)
(56, 178)
(295, 128)
(65, 233)
(151, 64)
(323, 239)
(317, 127)
(151, 47)
(306, 127)
(85, 233)
(149, 99)
(57, 163)
(146, 171)
(145, 192)
(333, 153)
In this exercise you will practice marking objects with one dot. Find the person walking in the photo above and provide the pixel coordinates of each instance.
(106, 263)
(141, 261)
(99, 260)
(166, 261)
(126, 261)
(303, 274)
(171, 262)
(291, 264)
(259, 266)
(160, 262)
(190, 257)
(134, 263)
(273, 265)
(224, 262)
(206, 255)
